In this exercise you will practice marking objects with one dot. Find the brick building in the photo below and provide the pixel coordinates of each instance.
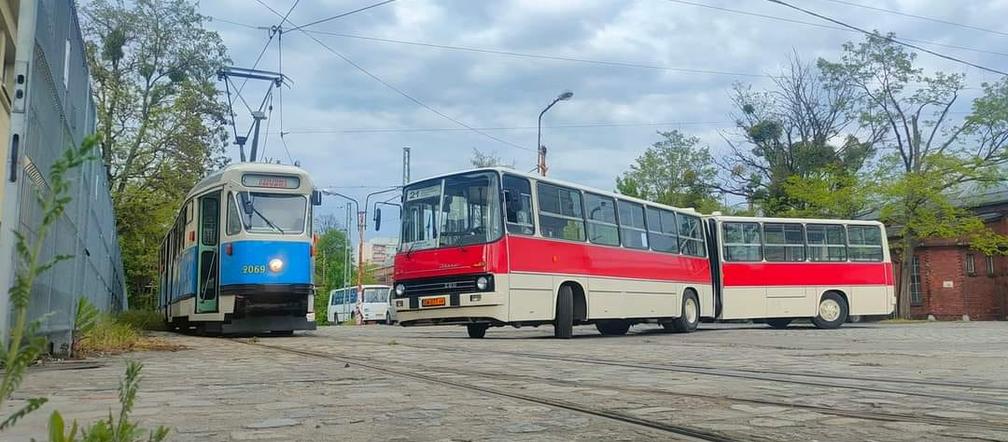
(952, 281)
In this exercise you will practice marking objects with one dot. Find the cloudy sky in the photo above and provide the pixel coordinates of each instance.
(669, 65)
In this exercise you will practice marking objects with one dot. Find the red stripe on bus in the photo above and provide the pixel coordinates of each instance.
(530, 254)
(480, 258)
(759, 274)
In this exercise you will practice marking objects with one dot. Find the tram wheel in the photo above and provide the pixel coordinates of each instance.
(563, 326)
(282, 332)
(477, 331)
(832, 311)
(689, 316)
(779, 323)
(613, 327)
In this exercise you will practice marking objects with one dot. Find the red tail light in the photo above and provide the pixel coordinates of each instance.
(229, 249)
(192, 236)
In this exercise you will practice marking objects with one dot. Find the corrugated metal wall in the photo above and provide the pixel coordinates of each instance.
(60, 113)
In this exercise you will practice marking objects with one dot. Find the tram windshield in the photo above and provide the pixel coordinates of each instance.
(376, 295)
(272, 212)
(454, 211)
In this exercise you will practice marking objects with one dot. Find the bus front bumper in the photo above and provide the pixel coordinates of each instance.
(462, 308)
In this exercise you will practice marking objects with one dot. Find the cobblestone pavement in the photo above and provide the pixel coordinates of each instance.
(933, 381)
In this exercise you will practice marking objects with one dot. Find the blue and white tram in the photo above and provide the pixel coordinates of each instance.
(239, 258)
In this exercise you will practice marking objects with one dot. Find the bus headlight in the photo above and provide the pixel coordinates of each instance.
(400, 290)
(482, 283)
(276, 265)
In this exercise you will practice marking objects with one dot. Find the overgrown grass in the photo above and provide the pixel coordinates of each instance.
(116, 334)
(143, 319)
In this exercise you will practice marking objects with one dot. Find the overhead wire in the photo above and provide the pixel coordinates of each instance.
(890, 39)
(452, 129)
(396, 89)
(365, 8)
(921, 17)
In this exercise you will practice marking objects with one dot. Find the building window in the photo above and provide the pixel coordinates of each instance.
(915, 283)
(970, 264)
(990, 265)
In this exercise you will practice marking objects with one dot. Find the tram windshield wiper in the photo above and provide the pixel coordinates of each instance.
(266, 220)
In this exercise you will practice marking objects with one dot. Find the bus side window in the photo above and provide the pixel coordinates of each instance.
(826, 242)
(518, 205)
(662, 230)
(742, 242)
(784, 242)
(691, 238)
(865, 243)
(602, 228)
(560, 212)
(633, 230)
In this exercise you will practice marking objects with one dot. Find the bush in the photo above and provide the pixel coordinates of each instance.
(143, 319)
(321, 307)
(113, 335)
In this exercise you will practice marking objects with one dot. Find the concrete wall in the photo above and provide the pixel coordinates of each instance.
(57, 112)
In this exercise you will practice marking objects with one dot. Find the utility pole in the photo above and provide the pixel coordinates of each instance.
(405, 165)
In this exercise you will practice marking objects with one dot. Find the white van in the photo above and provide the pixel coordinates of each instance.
(343, 304)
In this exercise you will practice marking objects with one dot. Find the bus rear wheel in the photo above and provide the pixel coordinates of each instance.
(779, 323)
(563, 325)
(613, 327)
(688, 318)
(832, 311)
(477, 331)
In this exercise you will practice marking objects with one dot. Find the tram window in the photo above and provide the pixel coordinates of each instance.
(826, 242)
(602, 228)
(784, 242)
(234, 223)
(518, 205)
(662, 230)
(560, 213)
(865, 243)
(210, 215)
(691, 240)
(633, 229)
(742, 242)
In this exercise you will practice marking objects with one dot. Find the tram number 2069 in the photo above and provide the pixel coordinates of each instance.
(254, 269)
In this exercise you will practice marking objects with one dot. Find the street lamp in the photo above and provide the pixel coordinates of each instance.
(542, 149)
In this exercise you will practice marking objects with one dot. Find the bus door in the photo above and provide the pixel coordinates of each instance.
(207, 253)
(714, 254)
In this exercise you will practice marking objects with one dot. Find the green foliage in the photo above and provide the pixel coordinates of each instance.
(85, 320)
(322, 307)
(161, 118)
(482, 159)
(676, 171)
(25, 345)
(116, 428)
(142, 319)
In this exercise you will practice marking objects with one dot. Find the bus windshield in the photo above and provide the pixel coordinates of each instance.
(454, 211)
(376, 295)
(272, 212)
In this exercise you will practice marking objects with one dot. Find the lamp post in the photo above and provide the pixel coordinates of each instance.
(541, 164)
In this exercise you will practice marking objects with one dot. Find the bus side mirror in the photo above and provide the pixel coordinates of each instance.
(316, 198)
(377, 218)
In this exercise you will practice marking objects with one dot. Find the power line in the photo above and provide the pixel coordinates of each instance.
(542, 56)
(397, 90)
(890, 39)
(932, 19)
(298, 28)
(246, 25)
(498, 128)
(823, 26)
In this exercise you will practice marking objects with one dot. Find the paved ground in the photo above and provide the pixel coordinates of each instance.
(934, 381)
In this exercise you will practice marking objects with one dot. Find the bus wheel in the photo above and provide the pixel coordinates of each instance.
(563, 326)
(690, 315)
(388, 319)
(477, 331)
(778, 322)
(613, 327)
(832, 311)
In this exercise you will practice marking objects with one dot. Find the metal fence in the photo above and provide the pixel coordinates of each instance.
(60, 113)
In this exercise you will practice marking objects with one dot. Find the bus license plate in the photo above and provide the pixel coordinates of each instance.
(432, 302)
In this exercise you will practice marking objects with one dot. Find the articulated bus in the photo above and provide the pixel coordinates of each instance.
(239, 256)
(494, 247)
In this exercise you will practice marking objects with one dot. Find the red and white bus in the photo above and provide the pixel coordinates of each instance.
(493, 247)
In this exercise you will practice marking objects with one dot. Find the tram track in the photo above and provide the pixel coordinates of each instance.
(808, 379)
(689, 433)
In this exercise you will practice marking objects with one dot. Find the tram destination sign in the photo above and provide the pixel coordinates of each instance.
(271, 181)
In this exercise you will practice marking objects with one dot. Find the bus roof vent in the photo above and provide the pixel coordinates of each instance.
(716, 213)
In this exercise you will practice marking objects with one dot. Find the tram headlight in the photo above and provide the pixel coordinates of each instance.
(276, 265)
(482, 283)
(400, 290)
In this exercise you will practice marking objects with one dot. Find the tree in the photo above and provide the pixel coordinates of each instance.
(929, 160)
(676, 171)
(160, 116)
(803, 150)
(481, 159)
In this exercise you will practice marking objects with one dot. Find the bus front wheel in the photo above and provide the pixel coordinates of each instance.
(477, 331)
(563, 326)
(832, 311)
